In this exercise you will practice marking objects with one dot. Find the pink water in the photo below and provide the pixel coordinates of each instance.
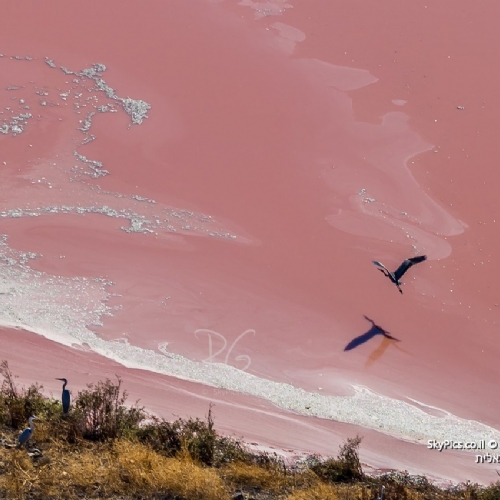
(286, 146)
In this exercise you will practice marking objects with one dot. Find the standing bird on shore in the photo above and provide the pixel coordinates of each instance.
(398, 273)
(65, 398)
(26, 434)
(381, 497)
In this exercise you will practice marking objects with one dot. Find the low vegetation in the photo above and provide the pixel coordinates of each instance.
(107, 449)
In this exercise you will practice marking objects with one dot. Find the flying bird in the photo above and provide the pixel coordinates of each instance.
(398, 273)
(26, 434)
(65, 398)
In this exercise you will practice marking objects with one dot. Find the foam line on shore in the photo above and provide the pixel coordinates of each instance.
(37, 302)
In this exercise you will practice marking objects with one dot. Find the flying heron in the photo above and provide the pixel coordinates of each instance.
(398, 273)
(26, 434)
(65, 398)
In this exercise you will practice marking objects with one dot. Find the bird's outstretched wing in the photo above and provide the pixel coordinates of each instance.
(407, 264)
(381, 267)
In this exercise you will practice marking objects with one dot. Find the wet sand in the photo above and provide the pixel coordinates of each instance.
(283, 153)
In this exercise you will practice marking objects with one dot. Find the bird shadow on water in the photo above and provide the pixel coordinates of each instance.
(365, 337)
(375, 330)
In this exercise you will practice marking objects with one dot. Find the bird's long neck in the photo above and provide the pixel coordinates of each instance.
(64, 385)
(32, 425)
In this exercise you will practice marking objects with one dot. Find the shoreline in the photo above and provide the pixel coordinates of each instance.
(253, 419)
(100, 443)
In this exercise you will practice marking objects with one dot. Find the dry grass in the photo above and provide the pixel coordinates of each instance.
(272, 478)
(241, 475)
(100, 450)
(319, 491)
(324, 491)
(122, 468)
(144, 470)
(125, 468)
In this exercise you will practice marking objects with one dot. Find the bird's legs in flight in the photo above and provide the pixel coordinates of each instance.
(383, 271)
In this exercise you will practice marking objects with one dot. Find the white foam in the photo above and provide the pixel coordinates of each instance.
(63, 309)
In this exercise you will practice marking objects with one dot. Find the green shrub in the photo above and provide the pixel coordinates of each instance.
(195, 436)
(17, 405)
(491, 492)
(102, 413)
(343, 469)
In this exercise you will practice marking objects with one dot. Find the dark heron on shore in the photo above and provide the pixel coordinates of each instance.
(398, 273)
(27, 433)
(65, 398)
(381, 497)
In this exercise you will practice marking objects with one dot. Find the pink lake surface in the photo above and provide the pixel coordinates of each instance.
(225, 255)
